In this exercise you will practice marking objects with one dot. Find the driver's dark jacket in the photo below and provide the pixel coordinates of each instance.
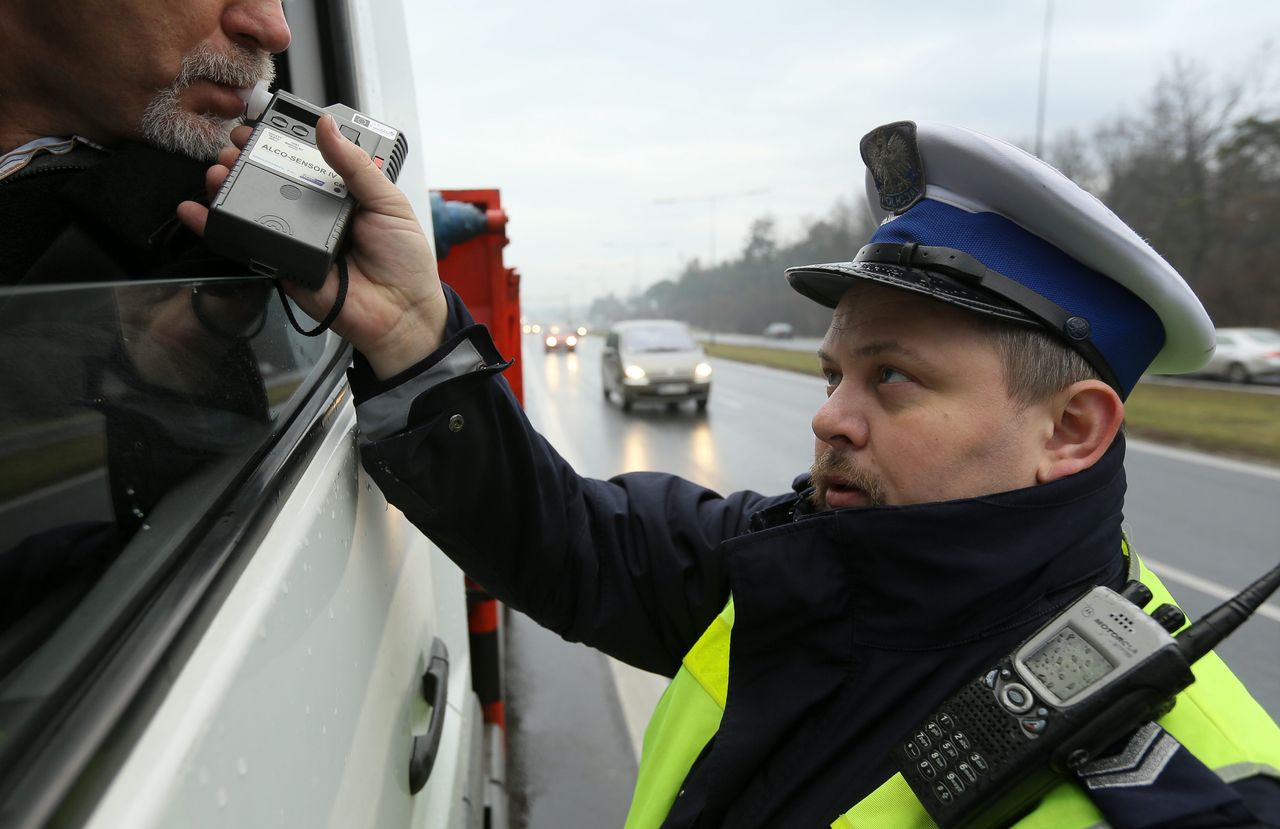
(851, 626)
(97, 216)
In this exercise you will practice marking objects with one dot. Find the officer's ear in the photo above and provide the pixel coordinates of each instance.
(1087, 416)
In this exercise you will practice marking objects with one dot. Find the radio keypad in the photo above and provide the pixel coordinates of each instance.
(961, 740)
(922, 739)
(950, 750)
(926, 770)
(968, 772)
(911, 750)
(943, 794)
(939, 762)
(935, 730)
(979, 762)
(954, 783)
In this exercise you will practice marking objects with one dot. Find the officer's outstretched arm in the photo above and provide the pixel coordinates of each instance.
(395, 312)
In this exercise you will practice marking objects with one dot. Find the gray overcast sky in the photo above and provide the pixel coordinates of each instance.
(586, 113)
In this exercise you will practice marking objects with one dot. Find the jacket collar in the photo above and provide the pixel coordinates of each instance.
(933, 575)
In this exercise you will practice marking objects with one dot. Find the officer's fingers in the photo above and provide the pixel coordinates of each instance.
(227, 156)
(194, 216)
(365, 181)
(240, 135)
(213, 179)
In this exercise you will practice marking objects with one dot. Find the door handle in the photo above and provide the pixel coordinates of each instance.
(435, 688)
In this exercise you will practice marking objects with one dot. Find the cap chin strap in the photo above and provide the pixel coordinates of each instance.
(968, 271)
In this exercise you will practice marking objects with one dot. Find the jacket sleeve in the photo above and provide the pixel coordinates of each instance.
(632, 566)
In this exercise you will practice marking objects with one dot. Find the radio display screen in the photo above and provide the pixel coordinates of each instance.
(1067, 664)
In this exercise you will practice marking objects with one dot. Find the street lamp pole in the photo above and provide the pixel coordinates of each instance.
(711, 212)
(1044, 77)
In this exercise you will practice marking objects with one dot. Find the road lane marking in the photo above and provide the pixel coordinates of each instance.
(1203, 459)
(1210, 588)
(638, 694)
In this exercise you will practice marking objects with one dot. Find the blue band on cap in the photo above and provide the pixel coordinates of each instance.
(1126, 331)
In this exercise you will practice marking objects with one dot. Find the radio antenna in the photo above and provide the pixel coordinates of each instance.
(1217, 624)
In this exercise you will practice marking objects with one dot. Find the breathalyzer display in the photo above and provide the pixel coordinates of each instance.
(282, 211)
(1099, 670)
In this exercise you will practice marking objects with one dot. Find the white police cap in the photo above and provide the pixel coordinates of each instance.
(981, 224)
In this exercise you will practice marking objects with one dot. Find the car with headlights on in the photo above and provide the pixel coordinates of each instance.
(655, 360)
(560, 338)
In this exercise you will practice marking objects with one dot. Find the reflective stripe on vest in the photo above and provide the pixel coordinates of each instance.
(1215, 719)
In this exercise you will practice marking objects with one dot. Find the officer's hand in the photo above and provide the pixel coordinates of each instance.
(395, 310)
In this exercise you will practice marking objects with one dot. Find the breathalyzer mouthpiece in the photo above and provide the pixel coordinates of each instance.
(255, 100)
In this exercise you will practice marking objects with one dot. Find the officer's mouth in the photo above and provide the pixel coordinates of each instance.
(841, 494)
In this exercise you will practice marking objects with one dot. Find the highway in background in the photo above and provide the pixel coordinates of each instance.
(1205, 526)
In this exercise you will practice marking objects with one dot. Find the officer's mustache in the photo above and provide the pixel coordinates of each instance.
(829, 466)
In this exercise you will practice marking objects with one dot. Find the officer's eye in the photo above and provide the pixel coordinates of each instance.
(890, 375)
(833, 380)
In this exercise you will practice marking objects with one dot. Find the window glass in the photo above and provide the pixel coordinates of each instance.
(1266, 336)
(128, 410)
(658, 338)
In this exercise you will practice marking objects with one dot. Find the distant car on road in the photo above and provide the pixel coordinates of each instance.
(560, 337)
(779, 331)
(1246, 354)
(655, 360)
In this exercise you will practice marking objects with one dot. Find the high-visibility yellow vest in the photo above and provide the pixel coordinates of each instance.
(1215, 719)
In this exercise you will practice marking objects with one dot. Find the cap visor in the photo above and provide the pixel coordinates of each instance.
(827, 283)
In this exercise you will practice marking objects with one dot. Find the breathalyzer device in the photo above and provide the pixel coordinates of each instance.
(282, 211)
(1091, 676)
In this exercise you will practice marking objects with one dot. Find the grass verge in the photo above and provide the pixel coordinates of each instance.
(1219, 420)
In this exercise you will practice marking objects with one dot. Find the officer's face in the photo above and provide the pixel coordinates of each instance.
(98, 65)
(916, 407)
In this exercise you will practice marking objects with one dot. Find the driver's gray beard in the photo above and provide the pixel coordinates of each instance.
(200, 135)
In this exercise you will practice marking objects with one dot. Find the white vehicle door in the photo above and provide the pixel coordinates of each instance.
(212, 617)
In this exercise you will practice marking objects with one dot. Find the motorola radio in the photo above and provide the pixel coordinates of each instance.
(282, 211)
(1095, 673)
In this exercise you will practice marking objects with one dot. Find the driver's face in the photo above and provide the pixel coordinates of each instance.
(106, 61)
(917, 408)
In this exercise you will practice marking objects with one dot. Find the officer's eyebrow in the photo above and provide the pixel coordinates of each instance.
(879, 347)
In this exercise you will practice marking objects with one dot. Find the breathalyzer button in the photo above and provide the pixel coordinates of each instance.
(300, 131)
(378, 161)
(911, 750)
(1034, 727)
(278, 121)
(352, 134)
(943, 794)
(926, 770)
(935, 730)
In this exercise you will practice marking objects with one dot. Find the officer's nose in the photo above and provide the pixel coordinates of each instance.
(840, 421)
(257, 24)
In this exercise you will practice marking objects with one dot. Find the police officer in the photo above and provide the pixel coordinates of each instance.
(968, 482)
